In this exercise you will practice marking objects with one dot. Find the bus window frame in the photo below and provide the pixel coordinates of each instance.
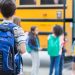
(42, 6)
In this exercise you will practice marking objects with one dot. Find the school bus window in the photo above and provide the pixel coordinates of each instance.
(52, 2)
(27, 2)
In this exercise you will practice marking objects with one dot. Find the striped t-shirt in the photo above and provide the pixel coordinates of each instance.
(18, 33)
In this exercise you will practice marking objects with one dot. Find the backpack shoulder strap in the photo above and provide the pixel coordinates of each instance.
(11, 26)
(7, 26)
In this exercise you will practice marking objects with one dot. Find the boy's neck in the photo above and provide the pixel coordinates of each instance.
(10, 18)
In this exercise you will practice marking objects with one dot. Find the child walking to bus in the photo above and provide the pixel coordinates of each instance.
(19, 67)
(55, 49)
(64, 40)
(34, 45)
(73, 55)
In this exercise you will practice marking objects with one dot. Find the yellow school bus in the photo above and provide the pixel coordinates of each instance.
(45, 14)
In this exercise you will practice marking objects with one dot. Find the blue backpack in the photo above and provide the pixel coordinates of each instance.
(7, 51)
(18, 62)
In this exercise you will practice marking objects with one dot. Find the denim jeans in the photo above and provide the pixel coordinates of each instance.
(61, 63)
(55, 61)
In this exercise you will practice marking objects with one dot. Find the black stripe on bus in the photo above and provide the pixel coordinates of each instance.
(46, 20)
(47, 33)
(56, 7)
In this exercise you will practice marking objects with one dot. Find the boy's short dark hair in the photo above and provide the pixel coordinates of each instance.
(1, 3)
(8, 8)
(58, 30)
(33, 28)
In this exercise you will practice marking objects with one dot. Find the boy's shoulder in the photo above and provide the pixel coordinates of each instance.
(9, 23)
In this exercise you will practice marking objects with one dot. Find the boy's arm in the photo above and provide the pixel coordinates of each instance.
(20, 38)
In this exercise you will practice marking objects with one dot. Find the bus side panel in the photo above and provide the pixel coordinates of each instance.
(47, 27)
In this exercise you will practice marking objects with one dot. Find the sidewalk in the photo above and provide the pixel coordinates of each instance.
(45, 70)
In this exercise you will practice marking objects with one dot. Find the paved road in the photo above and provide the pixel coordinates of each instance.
(44, 61)
(45, 70)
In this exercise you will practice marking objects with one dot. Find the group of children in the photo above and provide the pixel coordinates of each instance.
(56, 41)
